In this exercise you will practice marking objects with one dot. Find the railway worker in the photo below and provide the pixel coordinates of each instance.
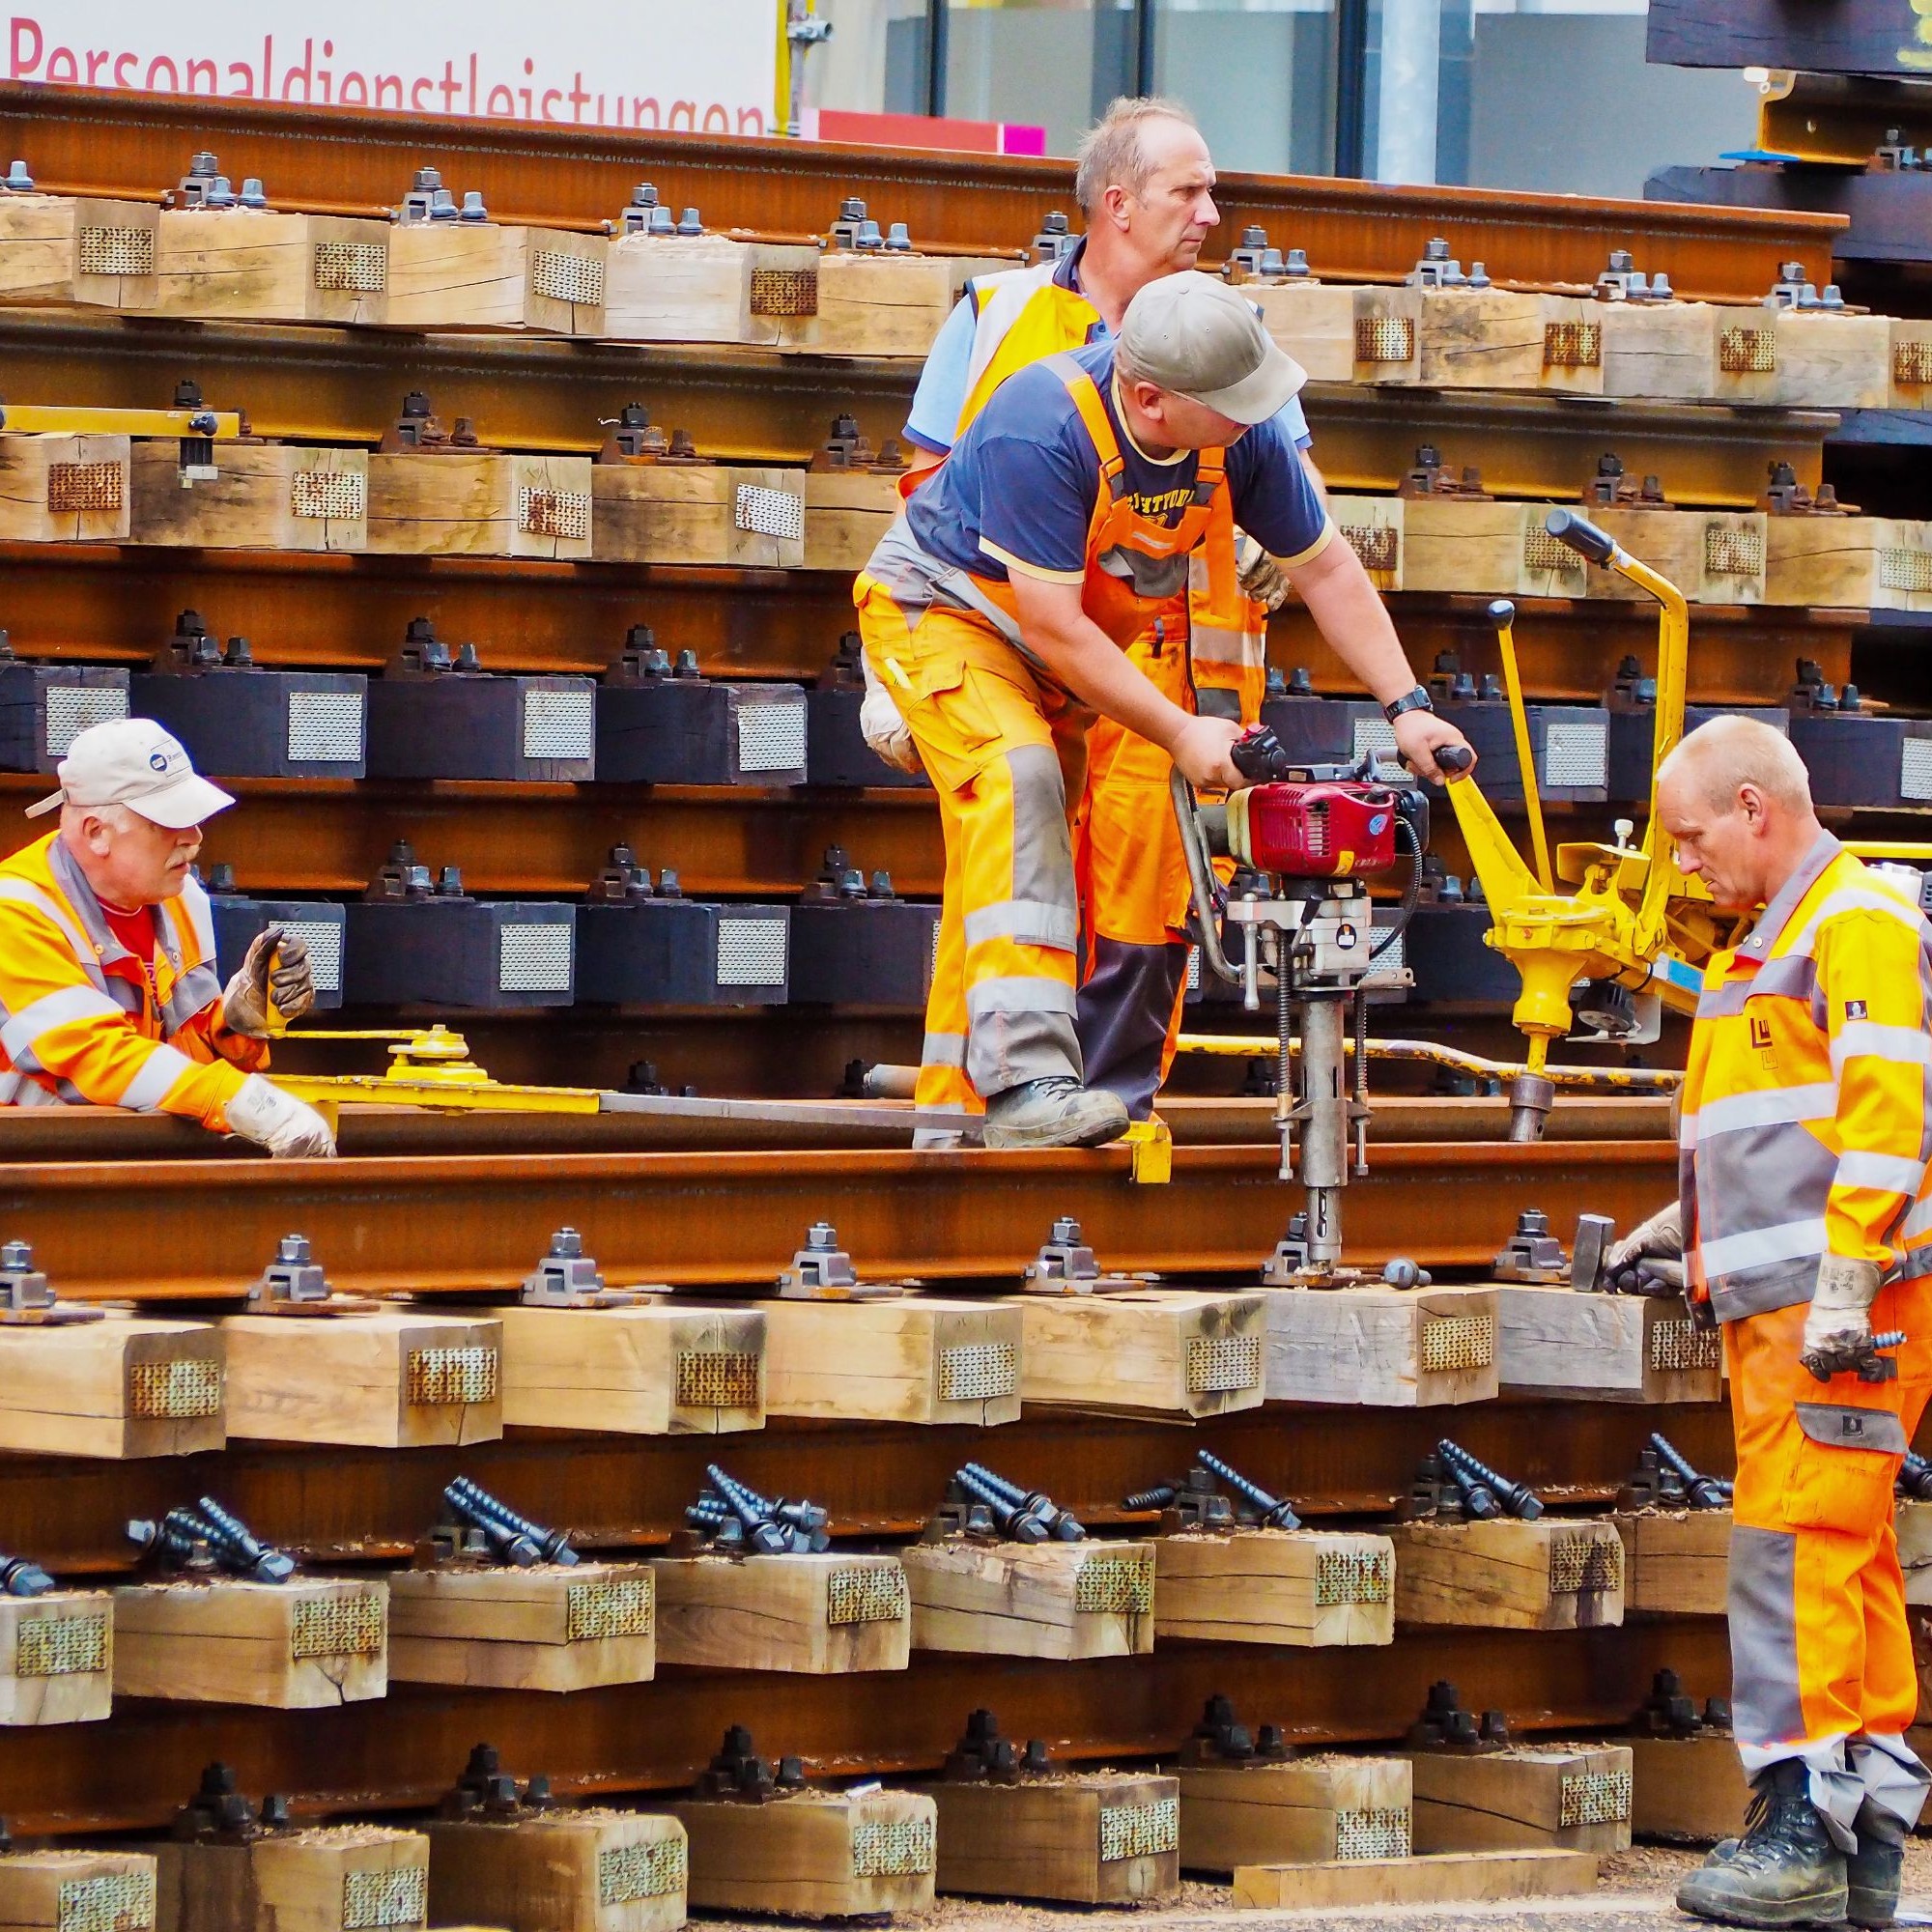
(997, 610)
(1145, 185)
(1805, 1222)
(108, 994)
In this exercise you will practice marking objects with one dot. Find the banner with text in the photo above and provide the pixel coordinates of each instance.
(705, 70)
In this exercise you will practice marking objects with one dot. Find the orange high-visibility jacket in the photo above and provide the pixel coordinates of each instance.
(71, 1033)
(1808, 1100)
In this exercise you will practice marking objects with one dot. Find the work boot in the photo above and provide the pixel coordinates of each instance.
(1873, 1872)
(1055, 1112)
(1785, 1869)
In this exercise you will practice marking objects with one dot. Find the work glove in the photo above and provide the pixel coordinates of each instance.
(1837, 1325)
(288, 1127)
(277, 967)
(881, 726)
(1262, 579)
(1661, 1238)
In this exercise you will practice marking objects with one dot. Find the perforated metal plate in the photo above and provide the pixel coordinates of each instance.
(576, 279)
(1593, 1797)
(350, 1625)
(351, 267)
(1140, 1831)
(1374, 736)
(1451, 1342)
(1915, 770)
(1384, 338)
(553, 513)
(891, 1847)
(317, 496)
(177, 1391)
(1905, 569)
(1221, 1364)
(1370, 1836)
(1352, 1576)
(771, 737)
(534, 959)
(1541, 552)
(1683, 1345)
(447, 1377)
(978, 1372)
(117, 251)
(1573, 345)
(1912, 364)
(1378, 545)
(325, 727)
(73, 707)
(626, 1873)
(323, 939)
(78, 489)
(1577, 752)
(1115, 1585)
(384, 1896)
(610, 1606)
(752, 951)
(1748, 352)
(1579, 1560)
(717, 1378)
(60, 1646)
(113, 1902)
(768, 513)
(559, 724)
(1393, 962)
(784, 291)
(1733, 550)
(866, 1593)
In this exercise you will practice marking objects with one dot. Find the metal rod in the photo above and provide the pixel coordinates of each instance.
(1352, 86)
(1145, 22)
(1655, 1080)
(938, 52)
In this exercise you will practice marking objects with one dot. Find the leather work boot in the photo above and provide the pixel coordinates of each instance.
(1873, 1872)
(1054, 1111)
(1784, 1871)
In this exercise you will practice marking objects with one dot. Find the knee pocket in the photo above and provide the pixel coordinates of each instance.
(1842, 1474)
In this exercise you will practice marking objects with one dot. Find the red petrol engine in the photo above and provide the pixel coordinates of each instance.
(1324, 830)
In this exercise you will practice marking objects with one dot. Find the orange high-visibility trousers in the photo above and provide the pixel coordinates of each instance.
(1005, 753)
(1821, 1655)
(1132, 878)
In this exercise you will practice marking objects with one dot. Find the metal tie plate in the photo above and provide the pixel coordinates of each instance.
(1573, 345)
(866, 1593)
(385, 1895)
(543, 512)
(83, 489)
(181, 1390)
(576, 279)
(1115, 1585)
(1593, 1797)
(535, 960)
(340, 1626)
(1370, 1836)
(1451, 1342)
(1223, 1364)
(447, 1377)
(60, 1646)
(113, 1902)
(351, 267)
(117, 251)
(720, 1377)
(324, 495)
(1748, 352)
(1140, 1831)
(608, 1607)
(655, 1869)
(893, 1847)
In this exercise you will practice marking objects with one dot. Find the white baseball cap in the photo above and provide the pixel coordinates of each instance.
(133, 761)
(1194, 336)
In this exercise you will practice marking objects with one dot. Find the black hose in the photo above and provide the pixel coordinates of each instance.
(1412, 892)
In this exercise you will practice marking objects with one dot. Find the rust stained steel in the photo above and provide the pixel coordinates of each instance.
(134, 1769)
(174, 1228)
(1840, 120)
(357, 161)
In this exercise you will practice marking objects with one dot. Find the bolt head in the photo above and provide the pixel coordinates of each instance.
(1066, 1233)
(566, 1244)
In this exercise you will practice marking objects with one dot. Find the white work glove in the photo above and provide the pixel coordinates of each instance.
(276, 966)
(1262, 579)
(881, 726)
(1659, 1240)
(288, 1127)
(1837, 1325)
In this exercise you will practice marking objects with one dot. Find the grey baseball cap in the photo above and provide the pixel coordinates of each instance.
(1195, 336)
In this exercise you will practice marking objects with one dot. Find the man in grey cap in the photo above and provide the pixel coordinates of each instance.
(997, 610)
(108, 990)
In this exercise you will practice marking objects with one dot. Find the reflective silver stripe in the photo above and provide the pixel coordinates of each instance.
(1843, 1426)
(1019, 995)
(1902, 1045)
(1767, 1707)
(943, 1049)
(1892, 1172)
(1000, 299)
(1033, 922)
(1919, 1221)
(192, 991)
(1217, 643)
(1791, 975)
(52, 1010)
(1861, 899)
(201, 921)
(1765, 1107)
(22, 891)
(156, 1080)
(31, 1094)
(1760, 1247)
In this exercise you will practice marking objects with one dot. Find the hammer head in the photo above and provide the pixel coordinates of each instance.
(1594, 1235)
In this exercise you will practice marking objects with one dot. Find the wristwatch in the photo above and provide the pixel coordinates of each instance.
(1417, 699)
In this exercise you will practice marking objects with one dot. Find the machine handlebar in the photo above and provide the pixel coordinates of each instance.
(1455, 759)
(1580, 534)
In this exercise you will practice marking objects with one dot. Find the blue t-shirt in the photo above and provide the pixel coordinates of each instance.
(1019, 488)
(945, 381)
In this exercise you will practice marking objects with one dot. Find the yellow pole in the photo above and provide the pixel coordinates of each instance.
(1502, 614)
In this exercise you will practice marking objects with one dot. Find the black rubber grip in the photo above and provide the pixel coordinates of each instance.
(1580, 534)
(1454, 757)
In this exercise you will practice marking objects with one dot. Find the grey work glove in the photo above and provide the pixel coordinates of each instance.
(1837, 1325)
(288, 1129)
(881, 726)
(1661, 1238)
(1262, 578)
(276, 966)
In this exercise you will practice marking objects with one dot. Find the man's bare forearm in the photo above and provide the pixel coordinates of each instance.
(1353, 619)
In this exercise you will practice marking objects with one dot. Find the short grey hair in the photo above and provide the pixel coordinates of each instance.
(116, 817)
(1111, 155)
(1729, 752)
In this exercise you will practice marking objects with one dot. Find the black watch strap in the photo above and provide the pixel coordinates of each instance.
(1417, 699)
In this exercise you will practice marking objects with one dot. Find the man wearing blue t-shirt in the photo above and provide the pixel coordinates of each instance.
(997, 610)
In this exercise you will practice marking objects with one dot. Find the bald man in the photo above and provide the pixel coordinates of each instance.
(1804, 1222)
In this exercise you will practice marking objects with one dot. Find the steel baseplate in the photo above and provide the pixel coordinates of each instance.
(295, 1283)
(822, 1271)
(1066, 1265)
(26, 1300)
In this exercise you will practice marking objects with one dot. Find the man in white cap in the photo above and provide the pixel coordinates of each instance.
(108, 992)
(997, 612)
